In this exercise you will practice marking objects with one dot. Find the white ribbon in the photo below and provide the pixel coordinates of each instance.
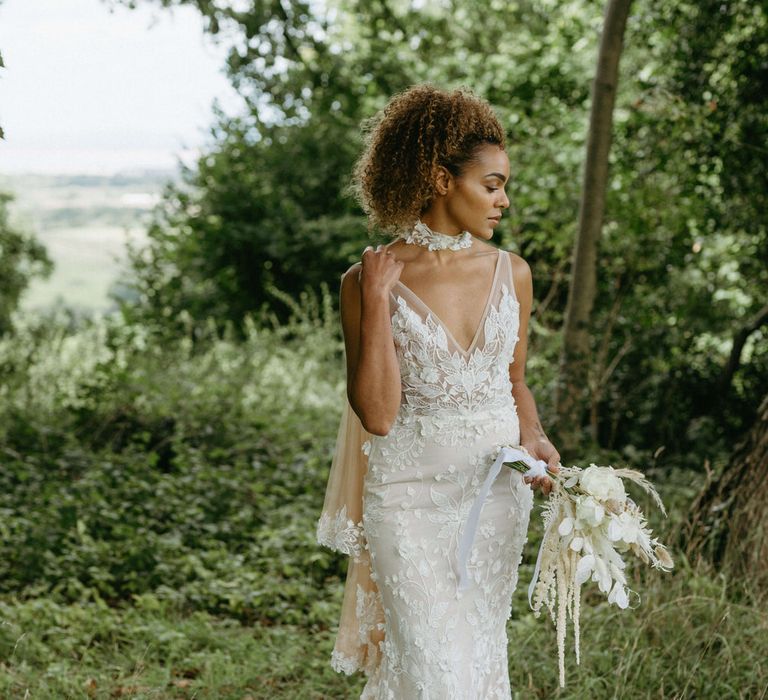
(536, 468)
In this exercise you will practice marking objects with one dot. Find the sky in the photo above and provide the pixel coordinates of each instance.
(89, 91)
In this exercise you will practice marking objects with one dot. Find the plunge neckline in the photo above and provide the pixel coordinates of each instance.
(471, 348)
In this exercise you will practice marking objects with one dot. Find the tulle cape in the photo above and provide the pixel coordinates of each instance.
(340, 527)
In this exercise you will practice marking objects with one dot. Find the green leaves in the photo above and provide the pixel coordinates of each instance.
(137, 463)
(22, 258)
(684, 234)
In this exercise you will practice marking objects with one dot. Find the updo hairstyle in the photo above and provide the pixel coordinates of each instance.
(419, 129)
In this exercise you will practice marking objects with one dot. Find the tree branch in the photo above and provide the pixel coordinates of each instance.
(739, 340)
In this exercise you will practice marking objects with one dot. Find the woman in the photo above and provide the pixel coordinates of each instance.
(435, 326)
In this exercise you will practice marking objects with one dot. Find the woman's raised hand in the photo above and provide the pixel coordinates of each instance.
(380, 270)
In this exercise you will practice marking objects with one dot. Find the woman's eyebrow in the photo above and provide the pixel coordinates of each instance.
(498, 175)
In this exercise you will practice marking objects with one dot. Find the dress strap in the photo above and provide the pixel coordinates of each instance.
(509, 276)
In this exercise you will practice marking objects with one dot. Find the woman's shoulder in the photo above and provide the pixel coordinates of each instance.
(520, 268)
(350, 282)
(521, 278)
(352, 273)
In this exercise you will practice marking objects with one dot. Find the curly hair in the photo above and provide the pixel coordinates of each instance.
(419, 129)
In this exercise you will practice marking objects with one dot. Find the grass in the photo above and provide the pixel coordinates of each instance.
(149, 650)
(687, 639)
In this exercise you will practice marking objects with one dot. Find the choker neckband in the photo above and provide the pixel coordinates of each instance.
(424, 236)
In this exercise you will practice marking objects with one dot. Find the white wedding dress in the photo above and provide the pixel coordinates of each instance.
(415, 633)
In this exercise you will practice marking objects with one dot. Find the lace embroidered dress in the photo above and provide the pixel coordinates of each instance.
(398, 509)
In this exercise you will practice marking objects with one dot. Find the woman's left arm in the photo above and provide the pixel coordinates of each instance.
(532, 435)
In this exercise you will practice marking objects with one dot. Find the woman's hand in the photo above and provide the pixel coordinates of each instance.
(380, 270)
(543, 449)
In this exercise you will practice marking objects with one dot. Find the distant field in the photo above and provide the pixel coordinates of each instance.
(84, 221)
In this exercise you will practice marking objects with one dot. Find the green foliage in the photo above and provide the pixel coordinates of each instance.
(135, 462)
(149, 650)
(162, 473)
(263, 219)
(681, 257)
(159, 496)
(684, 246)
(22, 258)
(267, 204)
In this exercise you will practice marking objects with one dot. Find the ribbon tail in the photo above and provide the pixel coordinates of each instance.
(470, 528)
(506, 454)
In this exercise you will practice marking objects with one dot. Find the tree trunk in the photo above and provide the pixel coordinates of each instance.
(570, 387)
(729, 518)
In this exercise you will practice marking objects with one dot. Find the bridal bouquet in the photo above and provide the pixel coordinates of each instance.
(590, 522)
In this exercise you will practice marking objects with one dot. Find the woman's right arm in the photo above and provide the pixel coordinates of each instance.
(373, 374)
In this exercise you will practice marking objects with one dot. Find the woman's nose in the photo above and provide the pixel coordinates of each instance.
(504, 203)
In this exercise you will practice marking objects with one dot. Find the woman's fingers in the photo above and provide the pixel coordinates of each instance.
(540, 482)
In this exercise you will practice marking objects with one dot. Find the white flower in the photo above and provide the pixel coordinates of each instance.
(603, 484)
(663, 555)
(584, 569)
(589, 511)
(565, 527)
(618, 595)
(602, 575)
(624, 527)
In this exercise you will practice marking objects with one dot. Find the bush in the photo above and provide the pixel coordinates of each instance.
(190, 467)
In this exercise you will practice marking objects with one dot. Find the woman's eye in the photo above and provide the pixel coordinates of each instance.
(491, 189)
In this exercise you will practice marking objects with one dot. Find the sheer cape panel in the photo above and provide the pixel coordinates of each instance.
(340, 528)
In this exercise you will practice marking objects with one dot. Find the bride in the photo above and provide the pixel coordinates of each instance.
(435, 331)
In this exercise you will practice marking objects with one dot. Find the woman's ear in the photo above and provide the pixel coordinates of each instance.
(442, 180)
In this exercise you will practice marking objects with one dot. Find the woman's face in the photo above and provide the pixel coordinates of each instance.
(474, 200)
